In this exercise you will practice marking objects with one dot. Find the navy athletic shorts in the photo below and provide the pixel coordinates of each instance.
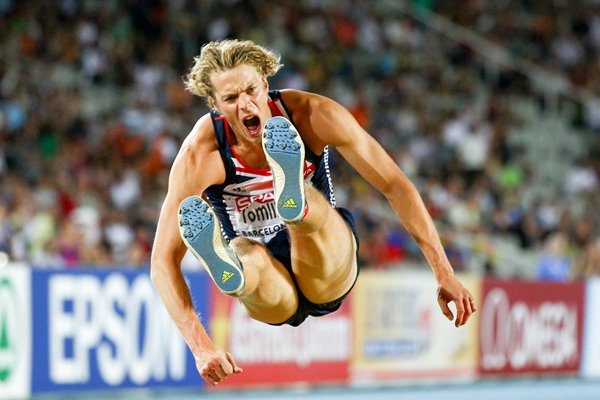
(279, 246)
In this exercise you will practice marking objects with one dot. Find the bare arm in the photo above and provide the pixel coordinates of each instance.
(195, 168)
(330, 123)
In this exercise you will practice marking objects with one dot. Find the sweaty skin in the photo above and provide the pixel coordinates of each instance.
(241, 95)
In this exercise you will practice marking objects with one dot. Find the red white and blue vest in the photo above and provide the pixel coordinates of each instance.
(245, 202)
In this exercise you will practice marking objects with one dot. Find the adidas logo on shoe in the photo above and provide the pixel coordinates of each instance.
(289, 203)
(226, 276)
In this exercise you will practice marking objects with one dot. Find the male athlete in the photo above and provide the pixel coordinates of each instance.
(251, 197)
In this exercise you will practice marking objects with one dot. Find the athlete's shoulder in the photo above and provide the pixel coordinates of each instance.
(202, 135)
(199, 155)
(299, 96)
(310, 113)
(304, 102)
(199, 143)
(320, 119)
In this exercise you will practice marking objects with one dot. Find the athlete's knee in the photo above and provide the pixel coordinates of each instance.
(313, 194)
(243, 246)
(317, 213)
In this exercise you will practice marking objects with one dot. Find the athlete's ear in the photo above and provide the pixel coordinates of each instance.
(265, 83)
(213, 103)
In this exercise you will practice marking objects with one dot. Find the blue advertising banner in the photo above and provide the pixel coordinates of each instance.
(107, 329)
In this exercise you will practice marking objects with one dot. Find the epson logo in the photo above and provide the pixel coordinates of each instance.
(119, 326)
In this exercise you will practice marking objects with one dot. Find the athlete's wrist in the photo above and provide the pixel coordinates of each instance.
(442, 272)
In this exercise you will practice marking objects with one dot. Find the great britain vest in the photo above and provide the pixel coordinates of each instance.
(245, 202)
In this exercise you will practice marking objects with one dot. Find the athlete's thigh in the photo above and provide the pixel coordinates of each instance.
(270, 294)
(324, 262)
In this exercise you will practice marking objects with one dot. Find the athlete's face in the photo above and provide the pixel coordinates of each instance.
(241, 96)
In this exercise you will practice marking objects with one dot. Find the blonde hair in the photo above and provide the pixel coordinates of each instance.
(224, 55)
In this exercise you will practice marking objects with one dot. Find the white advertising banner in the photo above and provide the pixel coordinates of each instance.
(15, 332)
(590, 362)
(400, 332)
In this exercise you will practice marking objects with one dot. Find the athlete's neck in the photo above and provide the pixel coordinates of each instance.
(250, 153)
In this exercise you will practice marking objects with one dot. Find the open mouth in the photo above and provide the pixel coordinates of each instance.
(252, 124)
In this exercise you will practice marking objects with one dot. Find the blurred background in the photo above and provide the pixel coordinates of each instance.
(491, 108)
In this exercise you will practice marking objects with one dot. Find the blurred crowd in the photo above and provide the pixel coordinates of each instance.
(93, 110)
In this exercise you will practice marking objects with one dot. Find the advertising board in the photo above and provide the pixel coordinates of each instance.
(530, 327)
(318, 351)
(590, 362)
(15, 333)
(99, 329)
(400, 332)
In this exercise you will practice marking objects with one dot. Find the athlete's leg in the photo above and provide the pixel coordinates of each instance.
(245, 269)
(323, 251)
(269, 295)
(323, 246)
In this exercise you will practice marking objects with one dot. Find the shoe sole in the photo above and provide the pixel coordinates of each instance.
(201, 232)
(285, 154)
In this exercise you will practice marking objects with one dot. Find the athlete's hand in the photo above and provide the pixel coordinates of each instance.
(451, 290)
(215, 366)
